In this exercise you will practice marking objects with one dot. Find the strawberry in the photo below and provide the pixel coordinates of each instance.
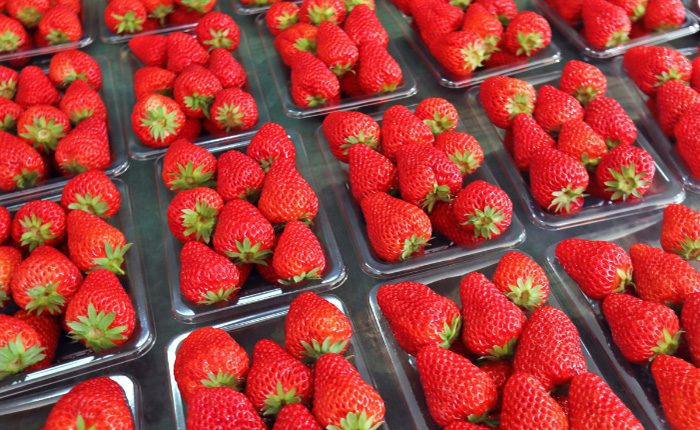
(286, 196)
(94, 244)
(459, 52)
(92, 192)
(578, 140)
(651, 66)
(68, 66)
(504, 10)
(218, 30)
(401, 127)
(81, 102)
(594, 405)
(583, 81)
(85, 147)
(350, 4)
(527, 405)
(42, 126)
(607, 118)
(100, 315)
(463, 425)
(369, 172)
(10, 112)
(664, 15)
(350, 84)
(435, 18)
(148, 80)
(240, 177)
(243, 233)
(454, 388)
(49, 330)
(418, 316)
(445, 222)
(362, 25)
(95, 403)
(635, 9)
(13, 36)
(522, 280)
(694, 76)
(606, 25)
(159, 9)
(5, 224)
(151, 49)
(192, 214)
(213, 406)
(680, 232)
(20, 346)
(39, 223)
(673, 98)
(438, 114)
(59, 25)
(527, 33)
(300, 37)
(35, 88)
(462, 148)
(276, 379)
(191, 130)
(28, 12)
(184, 50)
(316, 11)
(555, 107)
(625, 172)
(298, 255)
(280, 16)
(8, 82)
(687, 139)
(484, 334)
(125, 16)
(641, 329)
(10, 258)
(678, 382)
(205, 276)
(503, 98)
(21, 166)
(234, 110)
(195, 89)
(295, 416)
(662, 277)
(182, 15)
(313, 84)
(342, 130)
(557, 181)
(478, 20)
(691, 325)
(528, 137)
(483, 209)
(209, 358)
(335, 48)
(549, 348)
(499, 371)
(271, 143)
(227, 69)
(315, 327)
(156, 120)
(199, 6)
(396, 229)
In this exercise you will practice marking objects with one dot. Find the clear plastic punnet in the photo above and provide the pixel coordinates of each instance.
(664, 190)
(256, 292)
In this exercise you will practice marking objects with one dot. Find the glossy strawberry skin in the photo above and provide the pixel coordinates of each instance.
(184, 50)
(557, 181)
(298, 255)
(583, 81)
(438, 114)
(528, 136)
(370, 172)
(271, 143)
(151, 135)
(606, 25)
(149, 80)
(300, 37)
(192, 214)
(378, 71)
(678, 382)
(680, 231)
(21, 166)
(344, 129)
(59, 25)
(503, 98)
(35, 214)
(462, 148)
(48, 328)
(35, 88)
(240, 177)
(313, 84)
(522, 280)
(227, 69)
(150, 49)
(194, 90)
(335, 48)
(594, 405)
(85, 147)
(399, 127)
(80, 102)
(483, 209)
(459, 52)
(651, 66)
(555, 107)
(526, 404)
(634, 183)
(68, 66)
(207, 277)
(281, 16)
(662, 277)
(673, 98)
(234, 110)
(527, 33)
(363, 26)
(609, 119)
(691, 325)
(186, 166)
(238, 221)
(88, 239)
(296, 416)
(218, 30)
(211, 406)
(664, 15)
(286, 195)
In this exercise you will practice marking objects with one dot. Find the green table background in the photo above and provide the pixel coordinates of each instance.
(150, 370)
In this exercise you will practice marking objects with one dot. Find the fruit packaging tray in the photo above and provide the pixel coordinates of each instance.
(129, 64)
(665, 188)
(546, 57)
(689, 26)
(588, 313)
(247, 331)
(72, 358)
(441, 251)
(282, 77)
(24, 412)
(445, 282)
(256, 292)
(118, 155)
(658, 138)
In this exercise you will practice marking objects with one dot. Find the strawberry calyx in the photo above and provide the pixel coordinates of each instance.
(159, 122)
(340, 69)
(45, 297)
(26, 178)
(44, 135)
(248, 253)
(318, 14)
(413, 245)
(14, 357)
(94, 329)
(664, 27)
(229, 116)
(219, 39)
(638, 11)
(618, 38)
(626, 182)
(520, 103)
(586, 94)
(466, 161)
(350, 4)
(504, 19)
(667, 344)
(462, 4)
(72, 76)
(267, 163)
(275, 402)
(78, 115)
(311, 274)
(199, 221)
(4, 298)
(589, 164)
(56, 36)
(316, 100)
(306, 45)
(525, 294)
(565, 197)
(128, 23)
(8, 89)
(222, 295)
(484, 221)
(490, 45)
(388, 87)
(29, 16)
(438, 193)
(9, 41)
(197, 5)
(189, 177)
(500, 351)
(612, 143)
(8, 123)
(439, 123)
(80, 424)
(73, 166)
(671, 74)
(472, 56)
(222, 379)
(315, 349)
(90, 204)
(690, 249)
(369, 140)
(36, 232)
(529, 43)
(623, 279)
(113, 260)
(286, 20)
(195, 101)
(160, 12)
(450, 332)
(356, 421)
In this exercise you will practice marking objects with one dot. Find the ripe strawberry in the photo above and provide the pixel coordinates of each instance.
(184, 50)
(350, 4)
(396, 228)
(662, 277)
(314, 327)
(240, 177)
(483, 209)
(48, 328)
(243, 233)
(42, 126)
(125, 16)
(313, 84)
(678, 382)
(503, 98)
(191, 130)
(316, 11)
(504, 10)
(10, 258)
(192, 214)
(528, 136)
(454, 388)
(688, 140)
(363, 26)
(607, 118)
(205, 276)
(209, 407)
(156, 120)
(549, 348)
(369, 172)
(94, 244)
(499, 371)
(269, 144)
(463, 425)
(28, 12)
(149, 80)
(462, 148)
(445, 222)
(527, 405)
(555, 107)
(651, 66)
(527, 33)
(8, 82)
(680, 232)
(195, 89)
(68, 66)
(286, 196)
(39, 223)
(209, 358)
(20, 346)
(335, 48)
(418, 316)
(80, 102)
(151, 49)
(557, 181)
(295, 416)
(478, 20)
(459, 52)
(345, 129)
(673, 99)
(59, 25)
(86, 147)
(635, 9)
(350, 83)
(298, 255)
(578, 140)
(300, 37)
(159, 9)
(218, 30)
(625, 172)
(5, 224)
(434, 19)
(522, 280)
(92, 192)
(227, 69)
(234, 110)
(401, 127)
(664, 15)
(13, 36)
(594, 405)
(276, 379)
(182, 15)
(691, 325)
(280, 16)
(199, 6)
(584, 81)
(10, 112)
(438, 114)
(34, 88)
(694, 76)
(606, 25)
(21, 166)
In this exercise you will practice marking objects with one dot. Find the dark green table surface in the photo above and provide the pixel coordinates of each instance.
(150, 370)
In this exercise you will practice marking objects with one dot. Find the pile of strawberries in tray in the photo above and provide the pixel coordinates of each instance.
(506, 359)
(571, 141)
(418, 155)
(240, 211)
(60, 268)
(333, 47)
(641, 295)
(135, 16)
(52, 123)
(27, 24)
(191, 83)
(464, 36)
(217, 380)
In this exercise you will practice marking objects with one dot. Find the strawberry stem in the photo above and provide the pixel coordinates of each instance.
(189, 177)
(229, 116)
(222, 379)
(316, 349)
(438, 193)
(113, 260)
(246, 252)
(562, 199)
(466, 162)
(413, 245)
(36, 232)
(92, 205)
(219, 39)
(626, 182)
(275, 402)
(484, 221)
(9, 41)
(667, 344)
(94, 329)
(211, 297)
(507, 349)
(524, 293)
(199, 221)
(690, 249)
(450, 332)
(529, 43)
(45, 297)
(128, 23)
(44, 135)
(439, 123)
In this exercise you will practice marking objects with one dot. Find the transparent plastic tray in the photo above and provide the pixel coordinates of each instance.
(247, 331)
(256, 292)
(243, 9)
(689, 26)
(120, 160)
(446, 283)
(546, 57)
(72, 358)
(281, 75)
(638, 378)
(660, 140)
(129, 64)
(24, 412)
(664, 190)
(441, 251)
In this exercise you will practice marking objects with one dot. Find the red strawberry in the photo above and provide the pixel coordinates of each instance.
(528, 136)
(42, 126)
(504, 10)
(651, 66)
(438, 114)
(499, 371)
(578, 140)
(199, 6)
(80, 102)
(435, 19)
(463, 149)
(39, 223)
(242, 233)
(269, 144)
(316, 11)
(68, 66)
(691, 325)
(226, 68)
(694, 76)
(156, 120)
(557, 181)
(401, 127)
(10, 258)
(13, 37)
(182, 15)
(187, 166)
(370, 172)
(678, 382)
(295, 416)
(350, 84)
(86, 147)
(48, 328)
(503, 98)
(664, 15)
(8, 82)
(159, 10)
(484, 209)
(315, 327)
(300, 37)
(592, 404)
(94, 244)
(527, 33)
(240, 177)
(10, 112)
(555, 107)
(688, 140)
(149, 80)
(20, 346)
(151, 49)
(584, 81)
(59, 25)
(5, 224)
(313, 84)
(609, 119)
(459, 52)
(218, 30)
(184, 50)
(280, 16)
(28, 12)
(207, 277)
(335, 48)
(195, 89)
(478, 20)
(212, 406)
(625, 172)
(662, 277)
(298, 255)
(522, 280)
(635, 9)
(418, 316)
(125, 16)
(34, 88)
(21, 166)
(445, 222)
(286, 196)
(606, 25)
(680, 232)
(92, 192)
(673, 98)
(234, 110)
(527, 405)
(192, 214)
(362, 25)
(350, 4)
(345, 129)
